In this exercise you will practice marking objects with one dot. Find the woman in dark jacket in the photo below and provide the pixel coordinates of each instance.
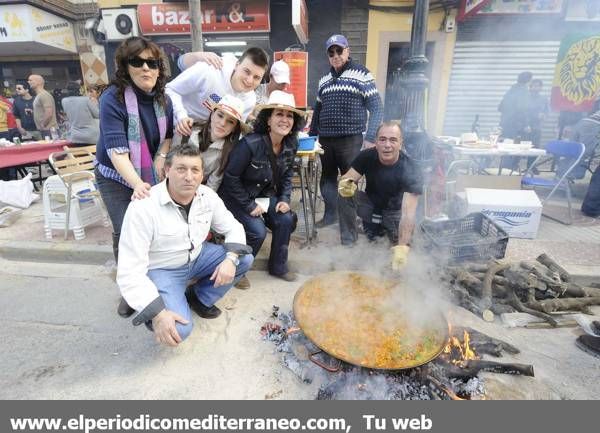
(136, 127)
(257, 184)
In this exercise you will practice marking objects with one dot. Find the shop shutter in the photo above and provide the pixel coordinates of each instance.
(483, 71)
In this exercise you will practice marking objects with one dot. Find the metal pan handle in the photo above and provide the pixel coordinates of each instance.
(328, 367)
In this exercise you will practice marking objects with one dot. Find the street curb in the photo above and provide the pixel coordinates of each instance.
(56, 252)
(94, 254)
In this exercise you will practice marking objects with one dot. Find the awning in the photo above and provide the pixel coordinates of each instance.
(27, 30)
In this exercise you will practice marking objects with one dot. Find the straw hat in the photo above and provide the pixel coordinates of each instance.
(234, 107)
(282, 100)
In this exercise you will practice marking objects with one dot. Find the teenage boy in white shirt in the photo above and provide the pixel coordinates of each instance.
(201, 85)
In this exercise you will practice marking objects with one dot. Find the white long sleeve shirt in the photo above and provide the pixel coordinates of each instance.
(155, 235)
(193, 90)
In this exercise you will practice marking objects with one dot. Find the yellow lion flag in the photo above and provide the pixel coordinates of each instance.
(576, 82)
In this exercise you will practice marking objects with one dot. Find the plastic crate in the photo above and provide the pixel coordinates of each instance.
(475, 237)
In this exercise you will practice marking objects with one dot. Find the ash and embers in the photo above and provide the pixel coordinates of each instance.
(338, 380)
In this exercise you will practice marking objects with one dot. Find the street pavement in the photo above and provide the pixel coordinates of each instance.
(62, 338)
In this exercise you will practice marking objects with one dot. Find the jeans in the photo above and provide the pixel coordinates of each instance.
(338, 156)
(116, 197)
(375, 222)
(172, 283)
(282, 226)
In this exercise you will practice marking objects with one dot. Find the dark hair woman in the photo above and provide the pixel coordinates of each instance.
(217, 138)
(257, 184)
(136, 127)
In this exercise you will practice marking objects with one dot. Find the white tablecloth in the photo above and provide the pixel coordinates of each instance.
(498, 152)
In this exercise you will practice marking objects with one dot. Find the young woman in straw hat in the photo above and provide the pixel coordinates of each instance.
(218, 137)
(257, 184)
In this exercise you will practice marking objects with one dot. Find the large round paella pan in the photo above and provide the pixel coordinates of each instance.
(368, 321)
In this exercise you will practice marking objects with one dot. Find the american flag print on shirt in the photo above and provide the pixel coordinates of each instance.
(212, 100)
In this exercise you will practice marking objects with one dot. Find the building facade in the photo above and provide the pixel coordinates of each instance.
(49, 39)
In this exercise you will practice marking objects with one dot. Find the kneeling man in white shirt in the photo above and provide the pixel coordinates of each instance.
(163, 246)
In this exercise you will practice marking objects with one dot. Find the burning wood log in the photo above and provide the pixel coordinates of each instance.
(476, 267)
(499, 280)
(498, 308)
(564, 304)
(534, 287)
(464, 299)
(515, 302)
(547, 261)
(486, 288)
(573, 290)
(479, 339)
(473, 282)
(472, 367)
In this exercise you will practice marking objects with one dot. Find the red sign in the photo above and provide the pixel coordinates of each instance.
(469, 8)
(298, 63)
(217, 17)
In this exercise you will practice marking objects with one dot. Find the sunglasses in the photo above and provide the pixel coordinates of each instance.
(333, 51)
(138, 62)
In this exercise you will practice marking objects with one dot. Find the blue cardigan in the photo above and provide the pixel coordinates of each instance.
(113, 124)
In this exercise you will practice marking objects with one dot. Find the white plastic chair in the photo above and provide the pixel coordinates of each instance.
(71, 200)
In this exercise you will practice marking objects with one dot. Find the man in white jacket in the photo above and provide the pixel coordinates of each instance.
(163, 246)
(201, 85)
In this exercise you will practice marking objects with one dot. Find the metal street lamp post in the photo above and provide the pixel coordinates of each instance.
(414, 80)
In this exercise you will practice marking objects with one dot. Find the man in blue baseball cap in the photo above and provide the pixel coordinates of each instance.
(347, 99)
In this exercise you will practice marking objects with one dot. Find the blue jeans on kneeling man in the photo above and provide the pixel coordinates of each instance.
(172, 283)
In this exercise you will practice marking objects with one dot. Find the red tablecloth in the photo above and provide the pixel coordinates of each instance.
(29, 152)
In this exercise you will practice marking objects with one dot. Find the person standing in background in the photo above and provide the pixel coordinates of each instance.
(23, 111)
(514, 115)
(347, 103)
(538, 110)
(279, 79)
(5, 108)
(82, 114)
(514, 108)
(44, 110)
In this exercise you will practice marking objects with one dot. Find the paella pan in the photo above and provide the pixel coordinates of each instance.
(369, 322)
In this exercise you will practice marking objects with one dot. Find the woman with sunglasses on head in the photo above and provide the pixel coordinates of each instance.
(257, 183)
(217, 138)
(136, 127)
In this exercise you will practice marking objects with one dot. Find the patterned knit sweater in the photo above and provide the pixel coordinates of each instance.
(343, 100)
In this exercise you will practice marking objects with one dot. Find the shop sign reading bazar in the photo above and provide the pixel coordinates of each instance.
(217, 17)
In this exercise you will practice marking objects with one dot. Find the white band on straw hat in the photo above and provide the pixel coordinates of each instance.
(282, 100)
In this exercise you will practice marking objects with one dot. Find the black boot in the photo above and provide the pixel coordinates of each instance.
(589, 344)
(123, 310)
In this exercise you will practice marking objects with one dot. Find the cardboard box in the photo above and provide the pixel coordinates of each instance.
(518, 212)
(457, 208)
(487, 182)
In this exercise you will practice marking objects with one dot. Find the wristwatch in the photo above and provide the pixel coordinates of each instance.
(234, 258)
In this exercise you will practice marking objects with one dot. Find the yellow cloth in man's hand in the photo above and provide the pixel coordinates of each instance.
(399, 256)
(347, 188)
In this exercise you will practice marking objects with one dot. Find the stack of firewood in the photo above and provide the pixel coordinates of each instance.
(541, 288)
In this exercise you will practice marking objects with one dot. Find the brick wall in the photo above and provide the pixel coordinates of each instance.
(355, 22)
